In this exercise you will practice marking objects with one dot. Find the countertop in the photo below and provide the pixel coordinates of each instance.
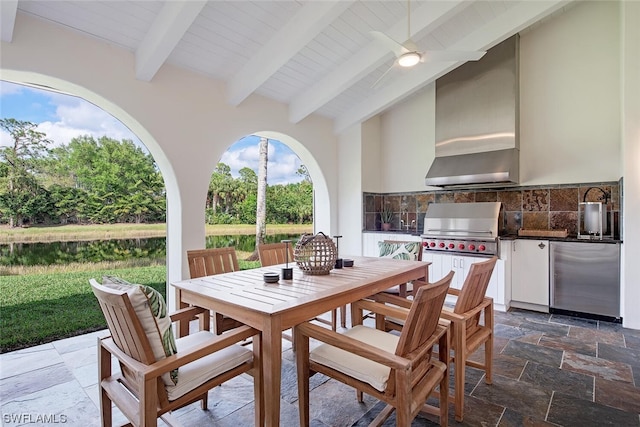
(406, 232)
(570, 238)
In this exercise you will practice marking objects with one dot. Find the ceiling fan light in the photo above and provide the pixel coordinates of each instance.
(409, 59)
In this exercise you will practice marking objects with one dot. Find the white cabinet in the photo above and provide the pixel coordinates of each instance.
(530, 274)
(442, 264)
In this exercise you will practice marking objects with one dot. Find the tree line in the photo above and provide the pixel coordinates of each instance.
(103, 180)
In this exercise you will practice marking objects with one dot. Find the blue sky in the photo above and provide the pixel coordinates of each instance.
(63, 117)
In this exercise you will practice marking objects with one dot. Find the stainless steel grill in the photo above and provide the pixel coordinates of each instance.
(462, 228)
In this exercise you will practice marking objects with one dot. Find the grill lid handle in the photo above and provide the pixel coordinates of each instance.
(449, 230)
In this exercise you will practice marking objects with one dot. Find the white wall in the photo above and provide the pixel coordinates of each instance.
(371, 152)
(631, 154)
(408, 148)
(570, 97)
(182, 117)
(570, 107)
(350, 178)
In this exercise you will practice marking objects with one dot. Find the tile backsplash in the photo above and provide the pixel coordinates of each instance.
(534, 208)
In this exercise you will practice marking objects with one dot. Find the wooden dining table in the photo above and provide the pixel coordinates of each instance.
(273, 308)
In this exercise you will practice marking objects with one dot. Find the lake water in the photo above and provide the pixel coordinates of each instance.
(114, 250)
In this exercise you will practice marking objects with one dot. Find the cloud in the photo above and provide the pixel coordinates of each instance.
(281, 167)
(7, 89)
(77, 117)
(64, 117)
(61, 117)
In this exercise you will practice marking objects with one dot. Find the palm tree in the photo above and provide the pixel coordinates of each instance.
(261, 209)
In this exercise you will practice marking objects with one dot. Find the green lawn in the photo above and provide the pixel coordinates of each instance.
(41, 304)
(120, 231)
(40, 308)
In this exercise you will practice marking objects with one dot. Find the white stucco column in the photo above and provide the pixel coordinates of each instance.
(350, 191)
(630, 90)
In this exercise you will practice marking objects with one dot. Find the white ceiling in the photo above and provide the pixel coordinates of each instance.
(316, 56)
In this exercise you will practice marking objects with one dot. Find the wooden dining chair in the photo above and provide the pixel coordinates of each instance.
(207, 262)
(157, 372)
(471, 322)
(397, 249)
(398, 370)
(472, 326)
(276, 253)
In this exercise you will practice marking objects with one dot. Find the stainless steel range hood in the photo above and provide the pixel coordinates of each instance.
(477, 122)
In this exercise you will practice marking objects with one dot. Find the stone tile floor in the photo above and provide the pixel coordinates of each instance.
(549, 370)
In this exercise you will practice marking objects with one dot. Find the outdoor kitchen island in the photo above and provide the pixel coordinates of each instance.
(442, 263)
(521, 278)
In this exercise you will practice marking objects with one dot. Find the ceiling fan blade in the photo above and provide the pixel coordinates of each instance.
(377, 82)
(395, 47)
(451, 55)
(411, 46)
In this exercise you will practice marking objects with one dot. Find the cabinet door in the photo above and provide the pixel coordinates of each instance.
(442, 264)
(530, 271)
(460, 265)
(437, 266)
(428, 257)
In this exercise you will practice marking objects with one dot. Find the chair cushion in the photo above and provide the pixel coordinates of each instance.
(358, 367)
(407, 250)
(152, 312)
(202, 370)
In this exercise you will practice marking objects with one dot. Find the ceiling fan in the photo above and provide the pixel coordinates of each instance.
(409, 55)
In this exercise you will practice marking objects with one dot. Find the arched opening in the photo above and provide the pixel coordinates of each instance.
(184, 228)
(321, 202)
(261, 190)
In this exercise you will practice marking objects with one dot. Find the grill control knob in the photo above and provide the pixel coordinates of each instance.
(441, 244)
(472, 247)
(451, 246)
(432, 244)
(425, 244)
(461, 246)
(481, 248)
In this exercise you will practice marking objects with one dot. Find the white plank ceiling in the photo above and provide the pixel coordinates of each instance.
(316, 56)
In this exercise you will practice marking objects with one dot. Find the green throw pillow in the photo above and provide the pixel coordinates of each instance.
(408, 250)
(151, 309)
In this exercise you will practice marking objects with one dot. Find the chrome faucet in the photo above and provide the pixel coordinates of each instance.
(406, 224)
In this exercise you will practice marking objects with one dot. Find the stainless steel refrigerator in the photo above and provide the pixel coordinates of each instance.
(585, 278)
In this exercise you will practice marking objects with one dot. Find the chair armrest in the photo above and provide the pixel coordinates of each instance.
(217, 342)
(450, 315)
(383, 309)
(352, 345)
(131, 363)
(441, 330)
(187, 313)
(453, 291)
(393, 299)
